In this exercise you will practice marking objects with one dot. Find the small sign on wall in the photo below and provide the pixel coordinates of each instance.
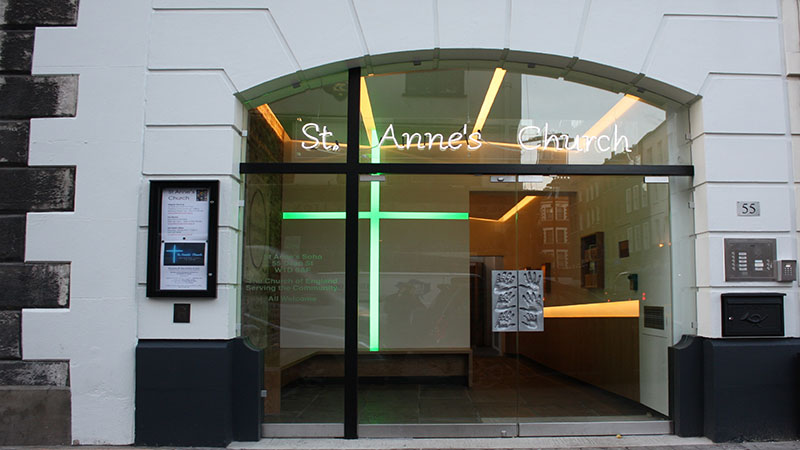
(182, 239)
(751, 209)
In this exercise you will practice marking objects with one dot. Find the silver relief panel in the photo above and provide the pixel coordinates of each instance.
(504, 300)
(531, 304)
(517, 300)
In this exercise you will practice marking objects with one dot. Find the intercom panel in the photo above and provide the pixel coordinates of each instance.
(750, 259)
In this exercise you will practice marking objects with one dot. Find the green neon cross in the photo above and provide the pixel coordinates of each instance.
(375, 215)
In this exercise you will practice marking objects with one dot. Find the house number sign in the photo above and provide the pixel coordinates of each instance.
(751, 209)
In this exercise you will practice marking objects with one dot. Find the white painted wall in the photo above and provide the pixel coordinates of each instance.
(156, 100)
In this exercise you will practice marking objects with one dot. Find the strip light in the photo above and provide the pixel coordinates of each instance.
(375, 215)
(522, 203)
(510, 213)
(488, 101)
(626, 308)
(616, 111)
(273, 122)
(374, 221)
(405, 215)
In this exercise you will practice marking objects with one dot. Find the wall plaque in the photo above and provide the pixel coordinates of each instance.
(750, 209)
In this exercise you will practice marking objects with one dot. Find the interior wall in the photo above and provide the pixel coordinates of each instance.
(309, 263)
(424, 265)
(603, 352)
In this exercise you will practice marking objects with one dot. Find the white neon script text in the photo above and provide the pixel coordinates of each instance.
(323, 135)
(453, 142)
(529, 137)
(564, 142)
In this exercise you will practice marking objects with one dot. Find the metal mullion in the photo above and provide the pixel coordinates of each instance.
(467, 169)
(524, 169)
(293, 167)
(351, 258)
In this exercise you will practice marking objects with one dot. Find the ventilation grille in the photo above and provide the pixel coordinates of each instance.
(654, 317)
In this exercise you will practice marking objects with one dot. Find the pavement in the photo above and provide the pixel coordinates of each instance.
(582, 443)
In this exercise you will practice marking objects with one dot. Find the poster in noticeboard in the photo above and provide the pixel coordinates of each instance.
(182, 251)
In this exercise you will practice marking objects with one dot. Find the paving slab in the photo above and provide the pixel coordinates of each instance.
(577, 443)
(471, 443)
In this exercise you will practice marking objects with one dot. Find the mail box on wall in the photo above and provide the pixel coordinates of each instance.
(752, 314)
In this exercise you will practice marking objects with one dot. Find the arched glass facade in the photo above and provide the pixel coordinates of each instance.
(499, 249)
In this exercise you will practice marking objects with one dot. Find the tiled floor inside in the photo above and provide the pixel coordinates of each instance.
(499, 394)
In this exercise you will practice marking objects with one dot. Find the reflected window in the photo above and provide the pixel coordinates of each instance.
(561, 235)
(562, 259)
(561, 211)
(547, 212)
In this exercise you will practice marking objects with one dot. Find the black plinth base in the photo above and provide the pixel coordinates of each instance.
(733, 390)
(197, 393)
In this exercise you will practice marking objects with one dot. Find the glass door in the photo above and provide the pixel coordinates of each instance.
(599, 363)
(428, 355)
(493, 301)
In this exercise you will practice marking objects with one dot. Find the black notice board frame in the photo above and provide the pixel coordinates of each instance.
(154, 239)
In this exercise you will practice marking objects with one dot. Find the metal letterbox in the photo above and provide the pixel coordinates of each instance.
(752, 314)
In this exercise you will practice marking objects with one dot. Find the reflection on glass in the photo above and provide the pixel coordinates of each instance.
(418, 231)
(293, 293)
(307, 127)
(428, 245)
(481, 116)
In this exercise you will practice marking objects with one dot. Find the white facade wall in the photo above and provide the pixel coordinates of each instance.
(156, 100)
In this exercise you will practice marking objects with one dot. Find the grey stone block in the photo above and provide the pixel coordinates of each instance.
(27, 96)
(16, 51)
(14, 142)
(34, 285)
(34, 373)
(10, 335)
(12, 238)
(31, 415)
(24, 189)
(39, 12)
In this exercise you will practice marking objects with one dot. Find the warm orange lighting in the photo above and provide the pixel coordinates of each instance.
(366, 113)
(522, 203)
(627, 308)
(510, 213)
(273, 122)
(616, 111)
(488, 101)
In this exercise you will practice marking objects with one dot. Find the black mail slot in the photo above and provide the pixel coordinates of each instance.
(752, 314)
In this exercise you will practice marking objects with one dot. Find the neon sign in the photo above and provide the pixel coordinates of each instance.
(564, 142)
(323, 135)
(454, 142)
(529, 137)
